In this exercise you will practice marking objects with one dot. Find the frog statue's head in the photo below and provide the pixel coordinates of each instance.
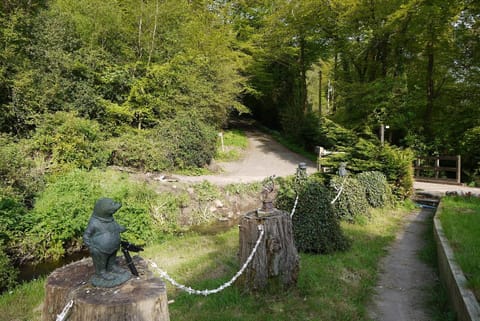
(106, 207)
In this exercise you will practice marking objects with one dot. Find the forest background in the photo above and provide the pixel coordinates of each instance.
(147, 84)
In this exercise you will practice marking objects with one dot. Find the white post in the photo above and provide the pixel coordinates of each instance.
(221, 139)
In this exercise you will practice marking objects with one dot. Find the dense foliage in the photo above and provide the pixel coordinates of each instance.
(86, 84)
(352, 200)
(377, 190)
(316, 229)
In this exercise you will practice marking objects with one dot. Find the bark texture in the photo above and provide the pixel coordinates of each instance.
(142, 298)
(276, 261)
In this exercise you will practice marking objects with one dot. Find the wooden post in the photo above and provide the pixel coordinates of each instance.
(320, 92)
(276, 261)
(141, 298)
(459, 169)
(418, 163)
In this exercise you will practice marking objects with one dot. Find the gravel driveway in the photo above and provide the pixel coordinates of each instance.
(264, 157)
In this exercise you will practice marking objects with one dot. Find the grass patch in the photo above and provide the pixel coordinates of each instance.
(23, 303)
(330, 287)
(234, 144)
(460, 217)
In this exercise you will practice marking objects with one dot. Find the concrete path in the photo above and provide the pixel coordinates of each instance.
(441, 189)
(404, 279)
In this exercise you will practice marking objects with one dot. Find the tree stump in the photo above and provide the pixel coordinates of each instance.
(142, 298)
(276, 261)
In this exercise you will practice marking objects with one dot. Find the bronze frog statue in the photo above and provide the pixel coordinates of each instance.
(102, 238)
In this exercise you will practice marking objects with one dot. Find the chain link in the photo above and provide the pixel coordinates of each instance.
(339, 190)
(65, 312)
(206, 292)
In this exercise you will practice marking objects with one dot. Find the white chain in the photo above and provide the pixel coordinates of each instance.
(294, 207)
(165, 275)
(64, 314)
(339, 190)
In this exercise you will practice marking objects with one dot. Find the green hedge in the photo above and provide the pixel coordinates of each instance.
(352, 201)
(378, 192)
(395, 163)
(315, 227)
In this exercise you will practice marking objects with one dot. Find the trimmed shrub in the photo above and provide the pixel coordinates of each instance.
(352, 201)
(397, 167)
(315, 227)
(377, 190)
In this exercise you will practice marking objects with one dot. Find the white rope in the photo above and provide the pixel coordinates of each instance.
(205, 292)
(294, 207)
(64, 314)
(339, 191)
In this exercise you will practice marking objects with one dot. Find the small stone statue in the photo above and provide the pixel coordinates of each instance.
(267, 202)
(342, 169)
(102, 237)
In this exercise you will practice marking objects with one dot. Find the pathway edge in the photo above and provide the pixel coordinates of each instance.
(460, 297)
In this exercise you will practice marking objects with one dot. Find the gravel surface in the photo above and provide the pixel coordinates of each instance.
(264, 157)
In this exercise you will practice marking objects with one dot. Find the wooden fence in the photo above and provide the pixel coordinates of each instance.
(444, 169)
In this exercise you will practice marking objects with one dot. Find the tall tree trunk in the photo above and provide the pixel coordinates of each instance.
(335, 78)
(154, 32)
(303, 76)
(140, 22)
(320, 92)
(430, 88)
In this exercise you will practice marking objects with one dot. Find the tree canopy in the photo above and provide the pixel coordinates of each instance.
(136, 64)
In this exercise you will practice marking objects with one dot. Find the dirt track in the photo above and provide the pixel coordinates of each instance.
(264, 157)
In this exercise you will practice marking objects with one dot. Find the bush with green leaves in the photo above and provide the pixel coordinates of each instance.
(470, 148)
(316, 131)
(14, 221)
(352, 201)
(395, 163)
(140, 149)
(71, 141)
(315, 227)
(397, 167)
(378, 192)
(62, 211)
(8, 274)
(188, 142)
(19, 177)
